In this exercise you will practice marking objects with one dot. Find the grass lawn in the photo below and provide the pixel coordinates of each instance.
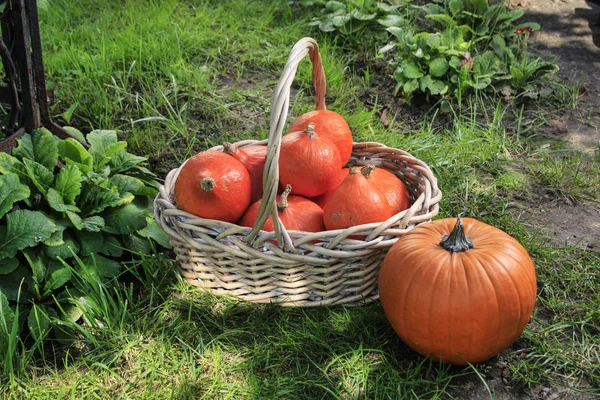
(178, 76)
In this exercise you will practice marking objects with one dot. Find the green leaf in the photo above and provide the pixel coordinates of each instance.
(25, 228)
(10, 284)
(156, 233)
(57, 279)
(102, 267)
(481, 83)
(73, 153)
(76, 133)
(112, 247)
(41, 176)
(38, 322)
(38, 264)
(8, 266)
(411, 71)
(11, 191)
(438, 67)
(137, 244)
(445, 20)
(410, 86)
(434, 86)
(95, 199)
(125, 219)
(91, 242)
(103, 145)
(335, 6)
(56, 201)
(65, 251)
(7, 318)
(56, 239)
(391, 20)
(10, 164)
(486, 65)
(39, 146)
(68, 183)
(127, 184)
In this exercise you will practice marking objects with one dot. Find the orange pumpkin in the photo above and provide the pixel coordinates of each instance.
(331, 125)
(459, 294)
(213, 185)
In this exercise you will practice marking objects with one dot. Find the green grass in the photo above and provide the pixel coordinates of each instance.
(179, 76)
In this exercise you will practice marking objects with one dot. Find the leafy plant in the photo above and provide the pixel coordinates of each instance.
(356, 18)
(474, 46)
(61, 202)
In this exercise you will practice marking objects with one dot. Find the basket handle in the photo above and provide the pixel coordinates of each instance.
(279, 112)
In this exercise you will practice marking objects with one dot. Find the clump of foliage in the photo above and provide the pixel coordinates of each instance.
(64, 206)
(471, 45)
(355, 19)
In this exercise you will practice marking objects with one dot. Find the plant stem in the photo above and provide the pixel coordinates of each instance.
(457, 241)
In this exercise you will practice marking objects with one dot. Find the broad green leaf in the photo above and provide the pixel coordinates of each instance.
(57, 279)
(434, 86)
(362, 16)
(7, 318)
(137, 244)
(102, 267)
(411, 71)
(65, 251)
(11, 191)
(68, 183)
(486, 65)
(38, 322)
(41, 176)
(340, 20)
(91, 242)
(438, 67)
(104, 143)
(156, 233)
(73, 153)
(476, 6)
(56, 201)
(44, 147)
(481, 83)
(19, 278)
(76, 133)
(391, 20)
(386, 48)
(125, 219)
(56, 239)
(38, 264)
(410, 86)
(25, 228)
(335, 6)
(10, 164)
(127, 184)
(8, 266)
(326, 26)
(95, 199)
(397, 32)
(112, 247)
(445, 20)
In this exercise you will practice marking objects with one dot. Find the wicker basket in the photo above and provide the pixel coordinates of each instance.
(305, 269)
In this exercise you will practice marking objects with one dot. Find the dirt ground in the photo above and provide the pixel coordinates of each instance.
(571, 32)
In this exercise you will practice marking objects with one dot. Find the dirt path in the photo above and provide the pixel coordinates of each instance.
(571, 32)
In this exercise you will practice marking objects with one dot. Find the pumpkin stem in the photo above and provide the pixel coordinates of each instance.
(310, 129)
(354, 170)
(457, 241)
(228, 148)
(208, 184)
(367, 170)
(283, 203)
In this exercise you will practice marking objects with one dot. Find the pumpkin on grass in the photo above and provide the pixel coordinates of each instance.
(213, 185)
(457, 293)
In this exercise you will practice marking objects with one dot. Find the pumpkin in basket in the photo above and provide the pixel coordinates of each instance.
(331, 125)
(295, 212)
(459, 294)
(253, 158)
(308, 161)
(213, 185)
(356, 201)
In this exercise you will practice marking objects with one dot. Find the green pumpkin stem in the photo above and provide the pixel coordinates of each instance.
(457, 241)
(283, 203)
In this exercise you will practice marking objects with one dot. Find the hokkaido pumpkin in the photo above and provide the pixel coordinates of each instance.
(457, 293)
(213, 185)
(392, 188)
(253, 158)
(355, 202)
(295, 212)
(331, 125)
(321, 200)
(308, 162)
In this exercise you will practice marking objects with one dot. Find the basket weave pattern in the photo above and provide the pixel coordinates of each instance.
(295, 268)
